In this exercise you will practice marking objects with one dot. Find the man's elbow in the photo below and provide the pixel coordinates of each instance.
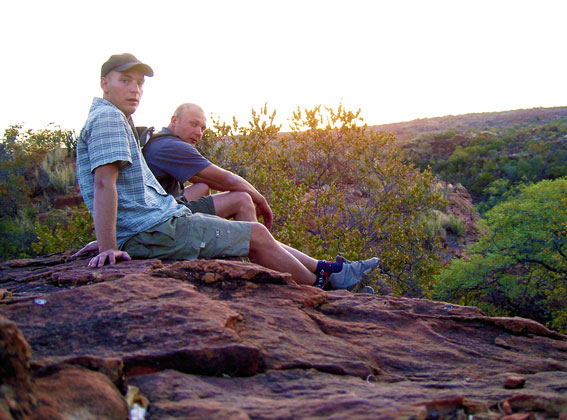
(232, 181)
(105, 183)
(105, 177)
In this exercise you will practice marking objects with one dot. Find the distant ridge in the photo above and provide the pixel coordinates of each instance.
(405, 131)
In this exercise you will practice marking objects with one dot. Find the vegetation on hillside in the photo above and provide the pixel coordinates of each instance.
(493, 163)
(410, 130)
(33, 169)
(515, 171)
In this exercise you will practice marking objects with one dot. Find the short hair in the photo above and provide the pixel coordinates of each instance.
(185, 107)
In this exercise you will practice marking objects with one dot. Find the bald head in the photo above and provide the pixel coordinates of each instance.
(183, 108)
(188, 123)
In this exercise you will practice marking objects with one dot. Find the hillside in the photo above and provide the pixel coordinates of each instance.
(405, 131)
(491, 154)
(229, 340)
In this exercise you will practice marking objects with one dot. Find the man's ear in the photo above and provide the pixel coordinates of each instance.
(173, 121)
(104, 84)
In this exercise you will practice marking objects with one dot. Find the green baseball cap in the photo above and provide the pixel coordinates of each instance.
(122, 62)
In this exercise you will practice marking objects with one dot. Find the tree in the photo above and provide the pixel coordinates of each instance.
(336, 186)
(24, 183)
(519, 265)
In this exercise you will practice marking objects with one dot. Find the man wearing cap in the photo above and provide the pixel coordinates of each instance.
(134, 216)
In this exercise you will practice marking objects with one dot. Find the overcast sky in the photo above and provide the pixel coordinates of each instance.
(396, 60)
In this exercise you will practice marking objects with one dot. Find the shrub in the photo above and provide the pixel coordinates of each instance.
(16, 236)
(337, 187)
(64, 230)
(436, 223)
(31, 162)
(53, 172)
(21, 154)
(486, 161)
(519, 266)
(69, 139)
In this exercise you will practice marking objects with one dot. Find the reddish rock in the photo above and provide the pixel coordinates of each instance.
(539, 402)
(518, 416)
(460, 206)
(15, 375)
(54, 392)
(76, 393)
(15, 353)
(75, 276)
(506, 408)
(229, 340)
(514, 382)
(217, 271)
(67, 200)
(446, 408)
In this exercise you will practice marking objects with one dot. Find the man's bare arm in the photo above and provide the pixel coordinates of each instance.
(104, 215)
(222, 180)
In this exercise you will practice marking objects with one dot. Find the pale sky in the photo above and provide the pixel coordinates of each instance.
(396, 60)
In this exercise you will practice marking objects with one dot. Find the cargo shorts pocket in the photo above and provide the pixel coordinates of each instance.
(159, 241)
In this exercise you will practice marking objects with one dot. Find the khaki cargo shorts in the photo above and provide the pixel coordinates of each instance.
(204, 205)
(192, 236)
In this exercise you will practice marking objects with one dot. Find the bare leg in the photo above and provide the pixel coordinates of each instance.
(309, 262)
(267, 252)
(235, 204)
(239, 205)
(196, 191)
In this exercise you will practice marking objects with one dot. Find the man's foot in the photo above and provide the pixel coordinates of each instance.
(352, 272)
(366, 290)
(339, 258)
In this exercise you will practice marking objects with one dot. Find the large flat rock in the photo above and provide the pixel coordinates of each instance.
(229, 340)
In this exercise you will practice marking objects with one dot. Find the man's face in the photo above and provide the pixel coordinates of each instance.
(190, 126)
(124, 89)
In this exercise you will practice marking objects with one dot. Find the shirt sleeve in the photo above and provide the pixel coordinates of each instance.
(171, 156)
(108, 140)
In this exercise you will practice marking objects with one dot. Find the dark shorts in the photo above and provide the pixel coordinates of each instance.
(192, 236)
(204, 205)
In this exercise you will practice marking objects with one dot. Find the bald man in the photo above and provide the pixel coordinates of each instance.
(173, 158)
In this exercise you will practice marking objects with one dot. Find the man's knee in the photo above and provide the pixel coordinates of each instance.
(260, 237)
(243, 199)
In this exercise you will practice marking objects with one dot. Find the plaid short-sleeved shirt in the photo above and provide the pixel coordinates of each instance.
(106, 138)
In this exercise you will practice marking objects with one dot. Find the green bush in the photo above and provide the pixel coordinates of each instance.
(31, 163)
(16, 236)
(337, 187)
(519, 265)
(64, 230)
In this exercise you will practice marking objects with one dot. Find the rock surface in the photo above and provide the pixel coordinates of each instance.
(212, 339)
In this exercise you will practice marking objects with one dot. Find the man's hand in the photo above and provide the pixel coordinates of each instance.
(263, 209)
(112, 254)
(91, 246)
